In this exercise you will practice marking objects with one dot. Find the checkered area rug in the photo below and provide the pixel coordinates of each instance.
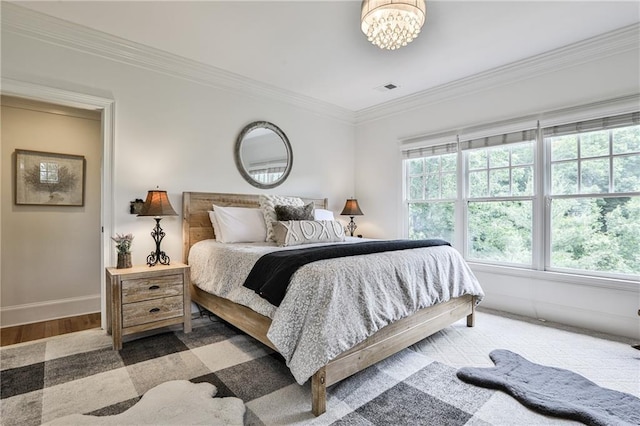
(80, 373)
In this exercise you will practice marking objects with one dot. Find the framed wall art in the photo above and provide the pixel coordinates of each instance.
(49, 179)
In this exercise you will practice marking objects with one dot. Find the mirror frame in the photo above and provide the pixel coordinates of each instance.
(238, 158)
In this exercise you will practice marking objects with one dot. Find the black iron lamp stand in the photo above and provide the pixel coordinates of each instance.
(157, 256)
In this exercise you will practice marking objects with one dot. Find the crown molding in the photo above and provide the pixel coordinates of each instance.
(36, 25)
(608, 44)
(39, 26)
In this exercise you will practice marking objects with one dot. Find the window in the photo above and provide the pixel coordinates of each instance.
(594, 196)
(431, 187)
(563, 198)
(499, 199)
(267, 175)
(48, 172)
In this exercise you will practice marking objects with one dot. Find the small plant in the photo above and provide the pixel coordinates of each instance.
(123, 242)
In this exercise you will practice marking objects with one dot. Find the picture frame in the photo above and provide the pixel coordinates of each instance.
(48, 178)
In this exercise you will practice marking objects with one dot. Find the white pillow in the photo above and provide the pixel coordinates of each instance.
(322, 214)
(240, 224)
(268, 205)
(215, 225)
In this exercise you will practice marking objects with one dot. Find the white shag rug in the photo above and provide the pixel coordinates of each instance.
(177, 402)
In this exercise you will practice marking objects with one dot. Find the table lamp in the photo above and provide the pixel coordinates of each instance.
(157, 205)
(352, 209)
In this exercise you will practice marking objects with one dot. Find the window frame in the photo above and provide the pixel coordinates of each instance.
(549, 197)
(406, 190)
(541, 198)
(467, 199)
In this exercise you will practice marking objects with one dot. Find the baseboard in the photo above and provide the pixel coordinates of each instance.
(49, 310)
(597, 321)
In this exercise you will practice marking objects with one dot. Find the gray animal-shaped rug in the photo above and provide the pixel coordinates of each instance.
(554, 391)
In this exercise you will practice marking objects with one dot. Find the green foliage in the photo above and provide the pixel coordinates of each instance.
(500, 231)
(596, 234)
(431, 220)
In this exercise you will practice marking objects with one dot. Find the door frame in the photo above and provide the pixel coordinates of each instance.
(11, 87)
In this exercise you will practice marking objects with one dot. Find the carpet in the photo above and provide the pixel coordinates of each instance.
(177, 402)
(555, 391)
(79, 373)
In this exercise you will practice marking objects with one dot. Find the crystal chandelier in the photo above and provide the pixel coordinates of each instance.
(391, 24)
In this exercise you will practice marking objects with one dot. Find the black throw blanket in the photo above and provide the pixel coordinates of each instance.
(270, 276)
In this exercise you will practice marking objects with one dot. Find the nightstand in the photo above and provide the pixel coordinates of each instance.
(143, 298)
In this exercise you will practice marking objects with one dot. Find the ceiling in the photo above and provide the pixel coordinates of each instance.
(316, 48)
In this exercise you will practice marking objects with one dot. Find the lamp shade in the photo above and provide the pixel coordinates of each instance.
(351, 208)
(157, 204)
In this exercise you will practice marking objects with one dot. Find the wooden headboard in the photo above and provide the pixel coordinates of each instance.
(196, 225)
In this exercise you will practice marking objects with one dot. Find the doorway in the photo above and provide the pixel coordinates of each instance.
(89, 290)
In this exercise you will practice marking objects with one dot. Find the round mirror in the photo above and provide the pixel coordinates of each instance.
(263, 154)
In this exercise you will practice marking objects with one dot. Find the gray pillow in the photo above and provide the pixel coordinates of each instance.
(267, 205)
(294, 212)
(297, 232)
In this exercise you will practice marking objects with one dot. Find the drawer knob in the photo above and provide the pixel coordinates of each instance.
(154, 287)
(154, 310)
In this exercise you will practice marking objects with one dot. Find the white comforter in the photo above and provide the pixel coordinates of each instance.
(331, 305)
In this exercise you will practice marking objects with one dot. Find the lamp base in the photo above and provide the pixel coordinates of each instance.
(351, 227)
(157, 256)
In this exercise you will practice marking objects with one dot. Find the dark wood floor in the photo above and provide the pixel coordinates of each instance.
(40, 330)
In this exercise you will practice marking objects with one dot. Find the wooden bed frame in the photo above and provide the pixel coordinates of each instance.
(196, 226)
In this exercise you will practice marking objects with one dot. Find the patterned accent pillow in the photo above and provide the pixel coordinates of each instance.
(295, 213)
(298, 232)
(268, 204)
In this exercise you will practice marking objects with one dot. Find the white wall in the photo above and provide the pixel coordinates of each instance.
(379, 181)
(179, 135)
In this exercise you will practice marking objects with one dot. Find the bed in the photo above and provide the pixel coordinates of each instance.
(384, 342)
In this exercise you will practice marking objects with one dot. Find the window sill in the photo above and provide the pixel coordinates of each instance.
(610, 283)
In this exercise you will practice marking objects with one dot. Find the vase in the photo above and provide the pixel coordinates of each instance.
(124, 260)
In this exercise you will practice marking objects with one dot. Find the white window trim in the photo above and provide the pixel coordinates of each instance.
(558, 276)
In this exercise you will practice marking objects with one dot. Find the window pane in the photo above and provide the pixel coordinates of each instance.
(564, 178)
(564, 148)
(594, 144)
(431, 220)
(449, 185)
(432, 164)
(415, 166)
(595, 176)
(49, 172)
(416, 188)
(478, 159)
(626, 173)
(596, 234)
(522, 181)
(626, 140)
(448, 163)
(522, 154)
(499, 182)
(432, 186)
(500, 231)
(499, 157)
(478, 184)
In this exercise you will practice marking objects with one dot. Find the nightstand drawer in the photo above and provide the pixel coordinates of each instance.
(152, 310)
(151, 288)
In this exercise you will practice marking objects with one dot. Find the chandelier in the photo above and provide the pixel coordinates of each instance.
(391, 24)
